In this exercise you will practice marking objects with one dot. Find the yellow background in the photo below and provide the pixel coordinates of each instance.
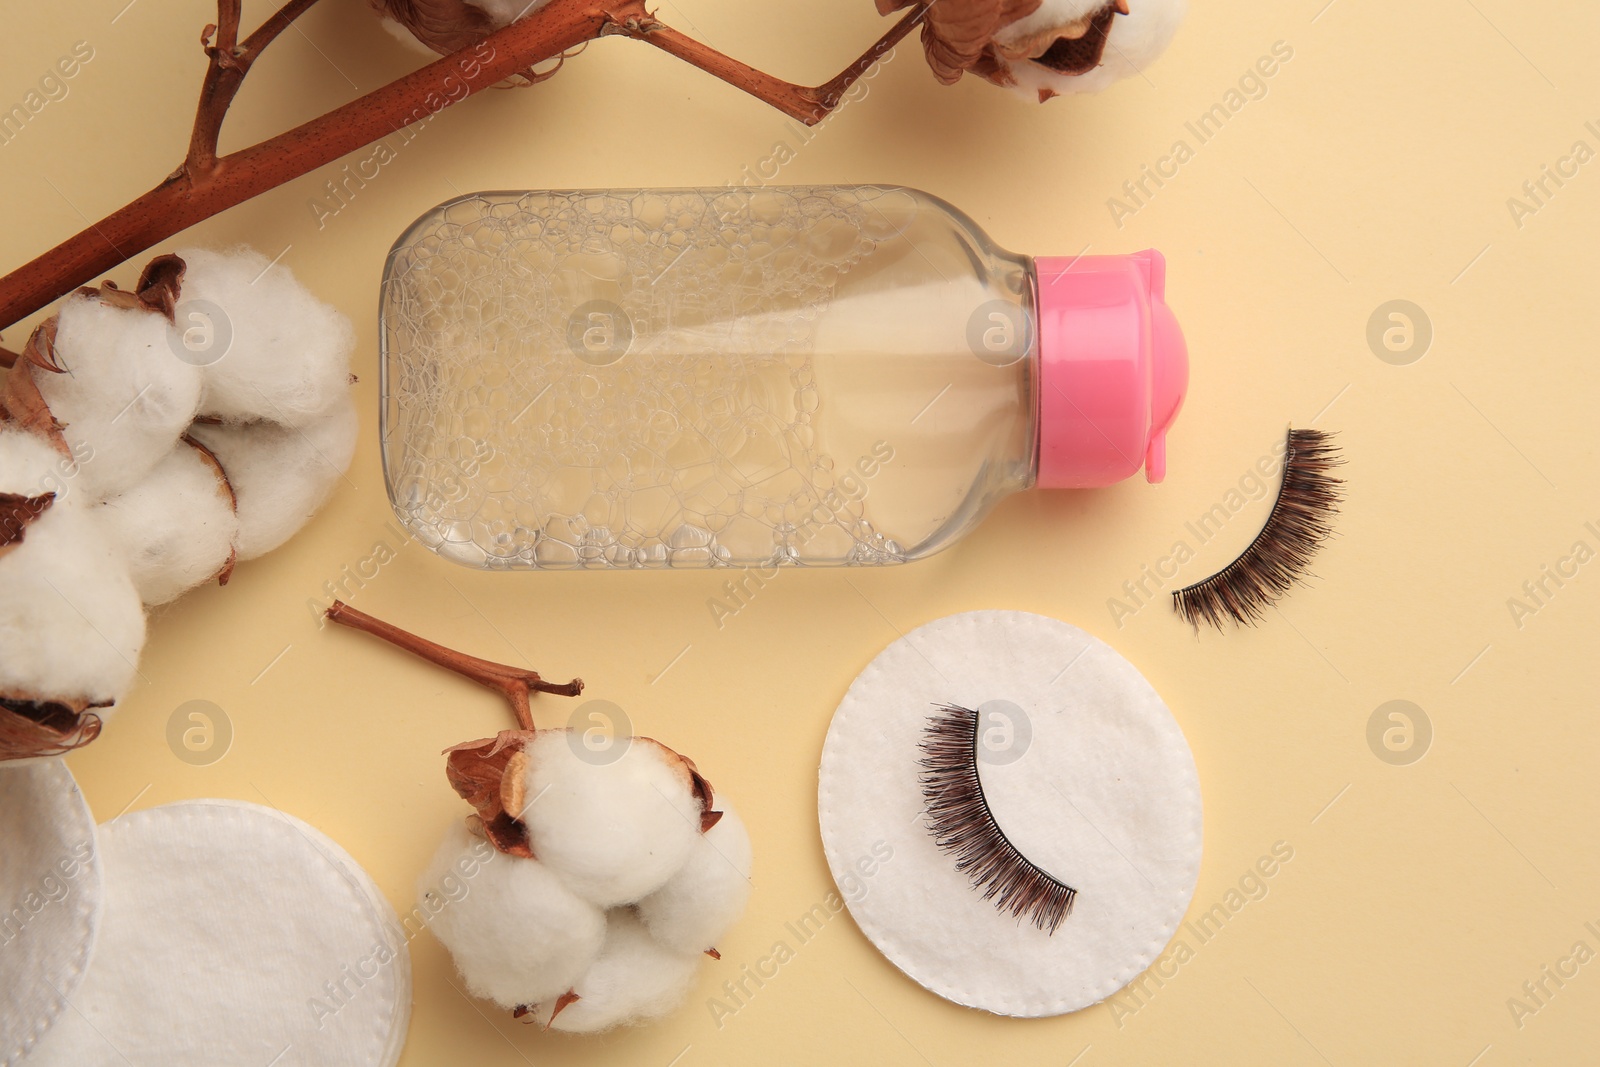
(1377, 166)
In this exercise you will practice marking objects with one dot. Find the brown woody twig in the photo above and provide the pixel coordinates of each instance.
(808, 104)
(205, 183)
(516, 684)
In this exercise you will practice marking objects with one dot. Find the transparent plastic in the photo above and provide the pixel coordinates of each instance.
(703, 377)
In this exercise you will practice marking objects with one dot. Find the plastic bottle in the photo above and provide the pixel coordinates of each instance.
(751, 377)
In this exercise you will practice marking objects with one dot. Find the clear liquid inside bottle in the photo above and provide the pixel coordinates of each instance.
(691, 378)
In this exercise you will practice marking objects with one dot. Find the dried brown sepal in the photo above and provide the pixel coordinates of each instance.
(41, 347)
(158, 288)
(225, 487)
(22, 403)
(957, 35)
(563, 1002)
(713, 953)
(478, 772)
(30, 727)
(226, 571)
(443, 25)
(160, 283)
(448, 26)
(111, 295)
(513, 785)
(17, 513)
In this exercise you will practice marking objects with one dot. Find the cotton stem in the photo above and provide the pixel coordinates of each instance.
(516, 684)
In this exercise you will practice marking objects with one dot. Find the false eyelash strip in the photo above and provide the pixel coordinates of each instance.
(1300, 521)
(962, 825)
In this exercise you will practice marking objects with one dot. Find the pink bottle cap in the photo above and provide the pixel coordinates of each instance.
(1113, 369)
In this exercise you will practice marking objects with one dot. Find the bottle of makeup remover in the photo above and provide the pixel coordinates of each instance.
(751, 376)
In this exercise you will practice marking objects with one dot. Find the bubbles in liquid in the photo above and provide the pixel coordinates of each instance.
(621, 380)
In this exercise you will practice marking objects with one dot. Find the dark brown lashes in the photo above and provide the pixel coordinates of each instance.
(1281, 553)
(962, 825)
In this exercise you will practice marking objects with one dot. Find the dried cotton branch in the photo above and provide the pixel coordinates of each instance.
(582, 893)
(131, 471)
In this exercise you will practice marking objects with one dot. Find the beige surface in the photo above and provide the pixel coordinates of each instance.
(1378, 166)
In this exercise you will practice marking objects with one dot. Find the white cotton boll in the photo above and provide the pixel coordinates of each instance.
(281, 475)
(635, 978)
(175, 528)
(125, 396)
(29, 466)
(516, 933)
(614, 830)
(700, 903)
(276, 352)
(1136, 40)
(71, 624)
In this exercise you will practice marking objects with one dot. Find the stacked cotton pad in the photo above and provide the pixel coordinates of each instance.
(233, 933)
(50, 893)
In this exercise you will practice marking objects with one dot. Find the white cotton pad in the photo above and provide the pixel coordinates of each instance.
(50, 893)
(1085, 771)
(235, 934)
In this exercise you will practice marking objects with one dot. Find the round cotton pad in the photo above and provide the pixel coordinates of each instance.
(235, 934)
(1084, 771)
(50, 893)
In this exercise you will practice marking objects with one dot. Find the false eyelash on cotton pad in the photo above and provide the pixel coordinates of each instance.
(1095, 789)
(962, 823)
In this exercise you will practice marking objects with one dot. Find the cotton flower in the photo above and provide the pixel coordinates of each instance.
(563, 832)
(136, 464)
(1045, 48)
(634, 835)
